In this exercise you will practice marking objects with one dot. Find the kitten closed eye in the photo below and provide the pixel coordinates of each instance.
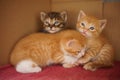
(78, 51)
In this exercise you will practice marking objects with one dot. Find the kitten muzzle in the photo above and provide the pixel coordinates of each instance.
(84, 32)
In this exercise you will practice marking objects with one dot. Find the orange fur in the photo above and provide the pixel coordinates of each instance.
(45, 49)
(100, 52)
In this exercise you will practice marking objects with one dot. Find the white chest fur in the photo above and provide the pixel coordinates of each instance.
(68, 58)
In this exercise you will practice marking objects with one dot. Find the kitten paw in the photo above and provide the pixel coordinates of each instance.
(82, 61)
(67, 66)
(70, 65)
(28, 66)
(36, 69)
(89, 66)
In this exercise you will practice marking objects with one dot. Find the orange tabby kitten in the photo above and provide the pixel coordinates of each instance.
(38, 50)
(100, 52)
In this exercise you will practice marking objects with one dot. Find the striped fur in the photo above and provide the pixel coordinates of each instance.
(53, 21)
(41, 49)
(100, 52)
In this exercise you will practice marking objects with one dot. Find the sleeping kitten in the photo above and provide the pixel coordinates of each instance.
(38, 50)
(100, 52)
(53, 21)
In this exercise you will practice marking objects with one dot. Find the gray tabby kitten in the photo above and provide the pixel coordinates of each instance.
(53, 21)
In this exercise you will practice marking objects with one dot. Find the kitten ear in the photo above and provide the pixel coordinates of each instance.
(72, 43)
(63, 14)
(42, 16)
(102, 23)
(81, 15)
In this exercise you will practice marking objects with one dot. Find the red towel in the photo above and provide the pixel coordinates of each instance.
(57, 72)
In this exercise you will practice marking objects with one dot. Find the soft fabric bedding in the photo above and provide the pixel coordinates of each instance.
(57, 72)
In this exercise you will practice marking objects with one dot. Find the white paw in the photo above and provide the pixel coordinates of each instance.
(27, 66)
(36, 69)
(67, 66)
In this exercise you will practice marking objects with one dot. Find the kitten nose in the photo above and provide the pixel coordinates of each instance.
(85, 30)
(51, 27)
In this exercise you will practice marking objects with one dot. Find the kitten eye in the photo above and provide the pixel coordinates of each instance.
(56, 23)
(92, 28)
(83, 25)
(78, 52)
(46, 23)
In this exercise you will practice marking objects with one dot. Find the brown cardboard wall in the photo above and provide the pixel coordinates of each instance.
(112, 14)
(90, 7)
(98, 8)
(17, 19)
(21, 17)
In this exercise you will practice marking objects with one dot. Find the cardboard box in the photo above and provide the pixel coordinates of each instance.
(19, 18)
